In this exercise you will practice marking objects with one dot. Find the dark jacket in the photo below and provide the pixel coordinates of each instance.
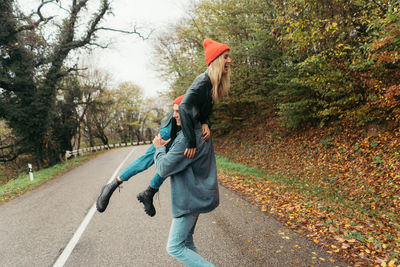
(197, 100)
(194, 186)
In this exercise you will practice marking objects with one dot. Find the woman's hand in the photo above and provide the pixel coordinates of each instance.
(205, 130)
(190, 152)
(158, 141)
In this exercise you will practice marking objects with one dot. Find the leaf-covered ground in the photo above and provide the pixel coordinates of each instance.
(340, 187)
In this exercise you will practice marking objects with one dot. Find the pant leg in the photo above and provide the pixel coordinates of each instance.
(139, 165)
(157, 181)
(181, 232)
(189, 243)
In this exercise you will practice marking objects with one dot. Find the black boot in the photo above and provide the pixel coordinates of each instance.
(146, 197)
(106, 192)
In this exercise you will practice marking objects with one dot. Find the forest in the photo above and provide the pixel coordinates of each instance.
(314, 97)
(310, 63)
(49, 103)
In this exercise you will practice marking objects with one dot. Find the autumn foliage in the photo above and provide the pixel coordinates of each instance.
(340, 186)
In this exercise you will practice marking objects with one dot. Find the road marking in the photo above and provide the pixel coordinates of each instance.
(62, 259)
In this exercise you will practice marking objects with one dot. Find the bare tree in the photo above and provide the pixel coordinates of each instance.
(32, 65)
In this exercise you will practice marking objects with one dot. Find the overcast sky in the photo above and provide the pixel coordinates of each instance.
(128, 59)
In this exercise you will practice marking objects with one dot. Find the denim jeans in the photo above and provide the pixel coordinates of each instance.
(180, 241)
(146, 161)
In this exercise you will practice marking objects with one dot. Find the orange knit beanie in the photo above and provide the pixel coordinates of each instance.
(178, 100)
(213, 49)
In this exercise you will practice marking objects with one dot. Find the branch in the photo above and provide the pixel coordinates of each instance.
(60, 6)
(76, 69)
(66, 72)
(35, 24)
(41, 18)
(92, 27)
(5, 159)
(14, 144)
(128, 32)
(13, 154)
(99, 45)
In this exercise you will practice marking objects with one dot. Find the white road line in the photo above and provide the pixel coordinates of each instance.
(77, 235)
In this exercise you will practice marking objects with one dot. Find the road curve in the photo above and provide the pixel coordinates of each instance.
(36, 227)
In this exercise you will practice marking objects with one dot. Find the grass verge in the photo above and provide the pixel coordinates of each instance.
(235, 168)
(303, 186)
(22, 183)
(290, 183)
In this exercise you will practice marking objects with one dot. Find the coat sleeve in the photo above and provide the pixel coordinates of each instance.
(174, 161)
(190, 108)
(206, 120)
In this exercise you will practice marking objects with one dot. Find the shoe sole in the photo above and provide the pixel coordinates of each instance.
(141, 200)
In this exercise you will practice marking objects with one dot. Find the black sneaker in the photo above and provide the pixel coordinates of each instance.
(146, 197)
(106, 192)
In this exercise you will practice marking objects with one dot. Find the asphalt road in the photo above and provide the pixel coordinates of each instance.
(36, 227)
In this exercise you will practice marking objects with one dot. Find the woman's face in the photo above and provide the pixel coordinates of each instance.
(176, 114)
(227, 61)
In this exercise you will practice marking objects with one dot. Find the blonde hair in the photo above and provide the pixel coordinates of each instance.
(220, 81)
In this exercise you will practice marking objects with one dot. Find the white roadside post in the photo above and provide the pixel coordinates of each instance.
(30, 172)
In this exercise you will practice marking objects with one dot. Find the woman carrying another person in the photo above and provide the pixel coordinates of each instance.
(190, 160)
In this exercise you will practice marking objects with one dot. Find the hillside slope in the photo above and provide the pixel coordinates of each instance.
(338, 185)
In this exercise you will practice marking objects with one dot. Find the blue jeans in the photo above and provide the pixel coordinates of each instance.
(146, 161)
(180, 241)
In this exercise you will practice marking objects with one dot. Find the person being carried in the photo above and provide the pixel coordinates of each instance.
(194, 188)
(168, 129)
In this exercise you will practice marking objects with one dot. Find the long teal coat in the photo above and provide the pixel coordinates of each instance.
(194, 186)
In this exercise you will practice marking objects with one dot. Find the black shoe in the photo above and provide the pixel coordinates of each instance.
(146, 197)
(106, 192)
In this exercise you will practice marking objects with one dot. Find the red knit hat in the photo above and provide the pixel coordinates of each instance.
(213, 49)
(178, 100)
